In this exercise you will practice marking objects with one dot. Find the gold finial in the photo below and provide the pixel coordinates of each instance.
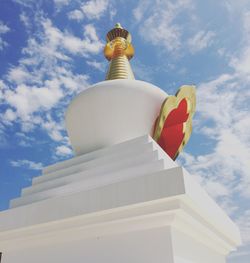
(119, 51)
(118, 25)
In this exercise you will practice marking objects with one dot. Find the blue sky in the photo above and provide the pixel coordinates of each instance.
(51, 50)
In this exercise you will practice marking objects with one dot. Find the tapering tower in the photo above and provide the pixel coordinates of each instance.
(119, 51)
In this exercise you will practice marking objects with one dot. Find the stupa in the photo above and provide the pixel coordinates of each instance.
(122, 198)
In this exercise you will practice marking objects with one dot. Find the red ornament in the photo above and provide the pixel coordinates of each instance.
(174, 124)
(172, 133)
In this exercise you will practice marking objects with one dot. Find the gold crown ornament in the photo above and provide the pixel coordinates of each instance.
(119, 51)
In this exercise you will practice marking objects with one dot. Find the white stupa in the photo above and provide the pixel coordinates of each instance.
(122, 198)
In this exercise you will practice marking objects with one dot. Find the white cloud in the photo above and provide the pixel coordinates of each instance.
(216, 189)
(97, 65)
(25, 140)
(112, 12)
(236, 8)
(160, 26)
(200, 41)
(74, 45)
(60, 3)
(25, 20)
(90, 32)
(142, 71)
(36, 91)
(63, 150)
(26, 99)
(73, 83)
(42, 88)
(3, 44)
(26, 3)
(241, 64)
(141, 8)
(3, 30)
(53, 128)
(27, 164)
(9, 115)
(94, 9)
(18, 75)
(76, 15)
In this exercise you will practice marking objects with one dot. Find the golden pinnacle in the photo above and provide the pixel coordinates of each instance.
(119, 51)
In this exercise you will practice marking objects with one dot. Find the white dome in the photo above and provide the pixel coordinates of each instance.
(111, 112)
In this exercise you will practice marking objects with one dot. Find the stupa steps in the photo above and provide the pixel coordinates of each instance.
(99, 153)
(94, 170)
(117, 163)
(91, 182)
(112, 158)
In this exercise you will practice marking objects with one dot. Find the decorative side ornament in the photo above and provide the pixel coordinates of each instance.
(173, 126)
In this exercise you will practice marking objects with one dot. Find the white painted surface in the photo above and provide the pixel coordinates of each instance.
(112, 112)
(121, 215)
(148, 246)
(117, 163)
(188, 250)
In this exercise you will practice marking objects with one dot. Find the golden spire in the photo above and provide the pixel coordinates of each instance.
(119, 51)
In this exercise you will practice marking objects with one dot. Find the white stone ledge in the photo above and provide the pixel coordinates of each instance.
(91, 182)
(113, 159)
(101, 170)
(127, 145)
(131, 191)
(134, 158)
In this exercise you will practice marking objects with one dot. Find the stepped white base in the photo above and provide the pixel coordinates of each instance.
(126, 203)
